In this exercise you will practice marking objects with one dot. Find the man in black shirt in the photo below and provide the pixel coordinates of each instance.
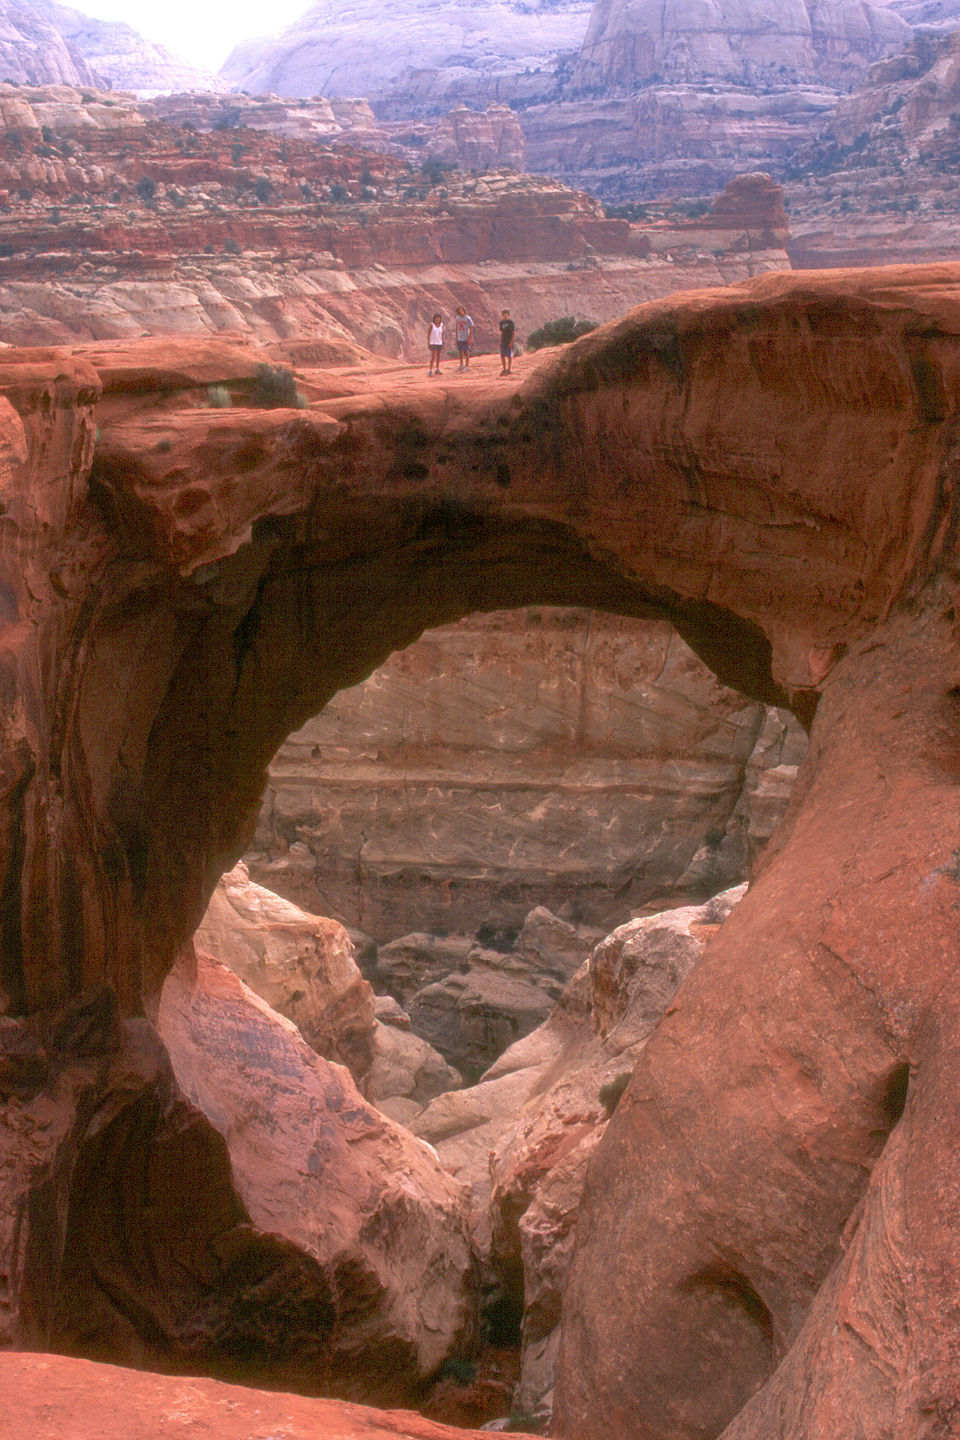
(507, 332)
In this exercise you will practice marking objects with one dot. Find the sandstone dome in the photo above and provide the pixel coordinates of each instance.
(362, 47)
(632, 42)
(43, 43)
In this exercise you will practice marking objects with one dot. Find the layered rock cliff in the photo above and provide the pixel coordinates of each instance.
(881, 182)
(630, 44)
(112, 224)
(360, 50)
(566, 759)
(647, 100)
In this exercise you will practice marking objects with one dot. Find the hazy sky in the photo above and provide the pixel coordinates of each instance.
(202, 31)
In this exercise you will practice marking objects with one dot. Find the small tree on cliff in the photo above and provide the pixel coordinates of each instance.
(559, 332)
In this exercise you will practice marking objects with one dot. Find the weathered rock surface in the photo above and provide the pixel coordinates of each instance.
(43, 43)
(633, 42)
(538, 757)
(359, 50)
(301, 965)
(472, 1018)
(318, 1166)
(47, 1397)
(406, 1072)
(811, 1109)
(770, 466)
(880, 183)
(523, 1135)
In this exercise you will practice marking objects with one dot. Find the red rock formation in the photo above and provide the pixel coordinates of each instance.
(47, 1397)
(772, 467)
(772, 1126)
(115, 225)
(345, 1188)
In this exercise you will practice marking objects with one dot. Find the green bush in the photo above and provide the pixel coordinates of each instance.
(218, 397)
(559, 332)
(275, 388)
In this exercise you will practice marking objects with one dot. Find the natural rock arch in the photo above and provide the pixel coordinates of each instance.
(772, 467)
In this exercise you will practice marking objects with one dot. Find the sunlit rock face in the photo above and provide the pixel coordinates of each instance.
(361, 48)
(43, 43)
(569, 759)
(636, 42)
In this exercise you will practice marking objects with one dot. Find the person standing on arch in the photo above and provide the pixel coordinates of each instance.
(507, 331)
(463, 326)
(435, 343)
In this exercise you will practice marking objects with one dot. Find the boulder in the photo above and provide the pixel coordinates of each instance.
(317, 1165)
(406, 1073)
(300, 964)
(472, 1018)
(552, 946)
(406, 965)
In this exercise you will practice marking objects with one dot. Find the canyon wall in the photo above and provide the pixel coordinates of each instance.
(566, 759)
(648, 100)
(628, 45)
(113, 224)
(881, 182)
(359, 51)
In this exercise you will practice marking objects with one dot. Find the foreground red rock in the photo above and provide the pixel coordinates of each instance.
(316, 1165)
(773, 467)
(47, 1397)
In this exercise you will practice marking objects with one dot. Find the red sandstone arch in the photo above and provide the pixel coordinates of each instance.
(774, 468)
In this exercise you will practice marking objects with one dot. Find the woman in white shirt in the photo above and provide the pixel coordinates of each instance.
(435, 342)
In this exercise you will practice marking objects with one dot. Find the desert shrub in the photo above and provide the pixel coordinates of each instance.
(146, 189)
(339, 194)
(231, 246)
(559, 332)
(262, 189)
(218, 397)
(275, 388)
(433, 170)
(632, 211)
(612, 1092)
